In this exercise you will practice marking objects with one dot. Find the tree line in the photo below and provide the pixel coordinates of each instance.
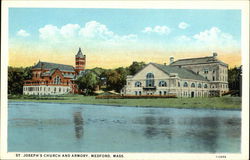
(106, 79)
(111, 79)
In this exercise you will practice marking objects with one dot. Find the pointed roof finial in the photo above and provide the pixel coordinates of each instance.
(79, 53)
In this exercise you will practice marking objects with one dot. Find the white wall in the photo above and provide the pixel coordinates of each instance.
(46, 90)
(171, 88)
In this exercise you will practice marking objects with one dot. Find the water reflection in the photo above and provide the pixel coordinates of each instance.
(204, 131)
(156, 126)
(78, 121)
(87, 128)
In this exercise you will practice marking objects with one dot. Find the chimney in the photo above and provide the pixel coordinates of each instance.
(215, 55)
(171, 60)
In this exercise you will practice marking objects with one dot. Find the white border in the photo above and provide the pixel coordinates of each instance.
(242, 5)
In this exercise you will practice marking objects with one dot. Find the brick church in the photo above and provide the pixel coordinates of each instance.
(55, 79)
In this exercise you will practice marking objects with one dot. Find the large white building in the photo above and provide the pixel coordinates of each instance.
(193, 77)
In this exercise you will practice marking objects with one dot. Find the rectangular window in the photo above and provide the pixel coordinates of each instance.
(205, 71)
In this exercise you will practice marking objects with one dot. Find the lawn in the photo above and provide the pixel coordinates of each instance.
(213, 102)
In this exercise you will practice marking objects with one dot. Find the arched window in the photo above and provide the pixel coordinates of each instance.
(199, 85)
(185, 84)
(57, 80)
(205, 85)
(179, 84)
(150, 80)
(192, 85)
(137, 84)
(162, 84)
(160, 93)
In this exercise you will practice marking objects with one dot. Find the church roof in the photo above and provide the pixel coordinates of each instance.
(79, 54)
(50, 73)
(200, 60)
(182, 72)
(50, 66)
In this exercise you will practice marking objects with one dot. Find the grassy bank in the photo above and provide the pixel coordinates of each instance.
(215, 102)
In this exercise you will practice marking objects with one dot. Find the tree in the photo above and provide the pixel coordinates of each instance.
(136, 67)
(16, 78)
(113, 80)
(234, 78)
(88, 83)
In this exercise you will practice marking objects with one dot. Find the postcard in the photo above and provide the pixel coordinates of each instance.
(125, 80)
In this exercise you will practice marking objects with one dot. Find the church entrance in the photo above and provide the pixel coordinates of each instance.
(192, 94)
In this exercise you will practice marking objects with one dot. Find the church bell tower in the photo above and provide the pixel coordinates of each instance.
(80, 61)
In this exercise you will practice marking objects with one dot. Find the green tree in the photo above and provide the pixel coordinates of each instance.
(123, 72)
(88, 83)
(136, 67)
(234, 78)
(16, 78)
(116, 79)
(113, 79)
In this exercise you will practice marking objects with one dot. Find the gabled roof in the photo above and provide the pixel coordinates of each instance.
(182, 72)
(51, 72)
(50, 66)
(200, 60)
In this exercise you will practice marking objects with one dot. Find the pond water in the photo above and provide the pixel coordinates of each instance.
(54, 127)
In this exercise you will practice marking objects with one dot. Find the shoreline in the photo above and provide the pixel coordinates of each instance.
(114, 105)
(221, 103)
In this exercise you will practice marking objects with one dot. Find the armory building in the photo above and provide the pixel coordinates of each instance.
(193, 77)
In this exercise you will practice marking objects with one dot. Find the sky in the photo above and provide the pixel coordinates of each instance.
(116, 37)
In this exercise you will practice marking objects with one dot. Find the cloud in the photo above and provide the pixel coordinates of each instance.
(23, 33)
(157, 29)
(214, 36)
(183, 25)
(209, 40)
(92, 30)
(69, 30)
(49, 32)
(97, 30)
